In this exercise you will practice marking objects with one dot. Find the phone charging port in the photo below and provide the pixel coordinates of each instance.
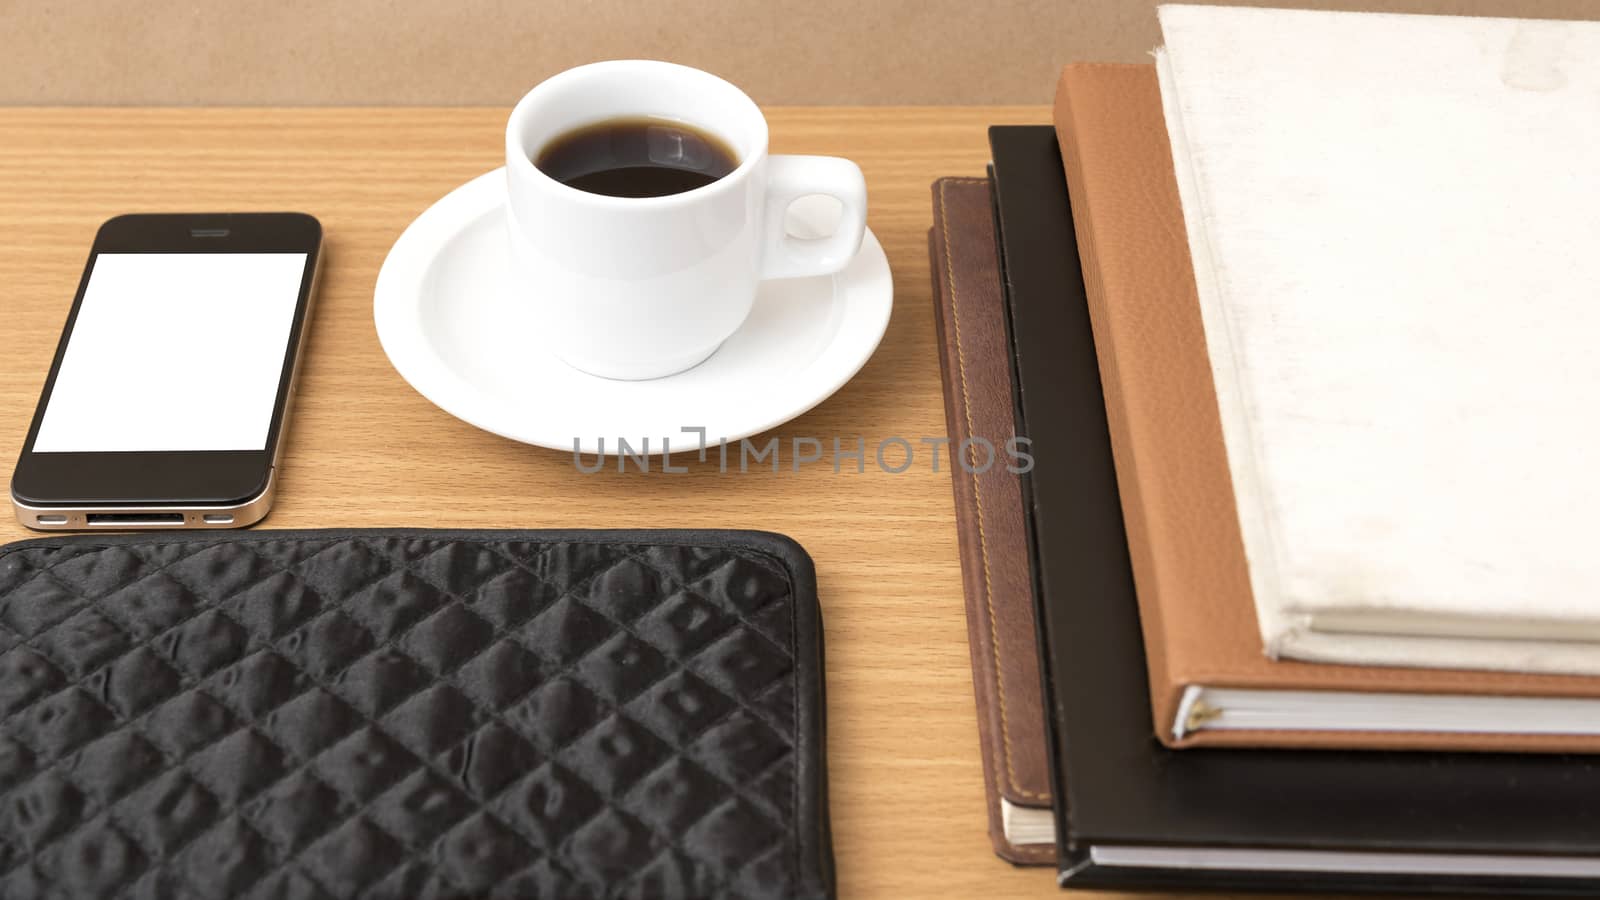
(133, 519)
(217, 518)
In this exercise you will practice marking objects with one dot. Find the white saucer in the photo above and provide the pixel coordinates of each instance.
(453, 328)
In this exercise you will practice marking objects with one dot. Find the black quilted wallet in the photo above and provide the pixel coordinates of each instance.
(412, 714)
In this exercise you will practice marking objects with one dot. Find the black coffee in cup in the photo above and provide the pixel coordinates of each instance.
(637, 157)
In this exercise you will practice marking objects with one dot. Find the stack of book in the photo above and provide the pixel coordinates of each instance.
(1299, 323)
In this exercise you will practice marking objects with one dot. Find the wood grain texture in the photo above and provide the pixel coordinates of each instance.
(366, 450)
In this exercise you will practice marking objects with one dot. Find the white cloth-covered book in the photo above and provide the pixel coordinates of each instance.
(1395, 226)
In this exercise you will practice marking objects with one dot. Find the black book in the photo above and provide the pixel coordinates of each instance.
(1131, 814)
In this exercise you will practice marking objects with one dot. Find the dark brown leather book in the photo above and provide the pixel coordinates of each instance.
(976, 365)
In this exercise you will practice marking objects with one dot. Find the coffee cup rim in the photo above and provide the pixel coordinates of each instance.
(521, 161)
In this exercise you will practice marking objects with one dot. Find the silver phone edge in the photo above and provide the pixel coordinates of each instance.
(76, 518)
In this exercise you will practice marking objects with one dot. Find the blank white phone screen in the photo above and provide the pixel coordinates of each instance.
(174, 351)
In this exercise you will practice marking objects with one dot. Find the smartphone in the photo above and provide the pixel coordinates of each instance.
(169, 395)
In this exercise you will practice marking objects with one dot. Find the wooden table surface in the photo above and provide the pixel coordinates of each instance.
(366, 450)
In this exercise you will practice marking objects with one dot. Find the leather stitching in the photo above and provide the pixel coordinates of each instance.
(977, 492)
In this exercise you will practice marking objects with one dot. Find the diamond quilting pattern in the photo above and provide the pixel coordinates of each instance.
(398, 714)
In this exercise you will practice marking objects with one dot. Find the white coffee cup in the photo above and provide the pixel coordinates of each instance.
(636, 288)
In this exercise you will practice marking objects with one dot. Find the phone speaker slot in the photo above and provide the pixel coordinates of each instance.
(130, 520)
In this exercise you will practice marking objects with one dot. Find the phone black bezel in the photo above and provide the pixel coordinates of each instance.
(173, 478)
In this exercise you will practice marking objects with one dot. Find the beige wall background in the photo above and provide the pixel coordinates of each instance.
(488, 52)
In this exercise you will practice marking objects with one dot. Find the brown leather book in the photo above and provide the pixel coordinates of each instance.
(975, 362)
(1210, 681)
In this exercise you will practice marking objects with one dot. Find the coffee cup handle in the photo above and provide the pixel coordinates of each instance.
(788, 179)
